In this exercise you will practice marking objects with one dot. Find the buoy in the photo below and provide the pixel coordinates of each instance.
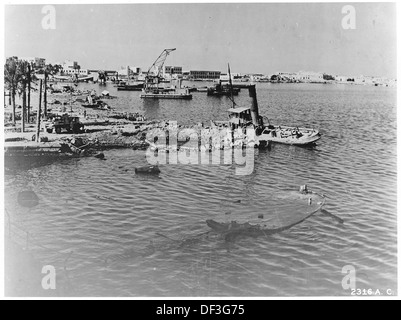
(28, 199)
(147, 170)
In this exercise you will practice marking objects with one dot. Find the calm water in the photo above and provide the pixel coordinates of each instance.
(108, 216)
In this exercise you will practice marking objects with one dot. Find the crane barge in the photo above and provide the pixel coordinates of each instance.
(151, 89)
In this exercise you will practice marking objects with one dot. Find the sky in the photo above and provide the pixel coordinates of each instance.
(253, 38)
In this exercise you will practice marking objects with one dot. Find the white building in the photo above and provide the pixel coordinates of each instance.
(341, 78)
(234, 76)
(72, 68)
(132, 70)
(172, 72)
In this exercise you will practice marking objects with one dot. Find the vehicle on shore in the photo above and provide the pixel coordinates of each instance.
(97, 105)
(64, 122)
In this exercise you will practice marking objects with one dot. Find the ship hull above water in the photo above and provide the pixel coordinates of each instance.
(291, 135)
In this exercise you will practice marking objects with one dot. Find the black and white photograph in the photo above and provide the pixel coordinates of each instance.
(222, 150)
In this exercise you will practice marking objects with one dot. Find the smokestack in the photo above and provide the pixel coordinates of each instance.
(254, 106)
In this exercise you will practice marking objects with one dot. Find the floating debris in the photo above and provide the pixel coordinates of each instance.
(100, 156)
(147, 170)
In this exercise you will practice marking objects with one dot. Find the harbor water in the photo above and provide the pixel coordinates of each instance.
(110, 232)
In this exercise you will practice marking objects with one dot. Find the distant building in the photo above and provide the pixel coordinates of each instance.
(37, 62)
(133, 71)
(136, 70)
(185, 75)
(204, 75)
(234, 76)
(225, 77)
(310, 76)
(341, 78)
(73, 68)
(68, 64)
(292, 76)
(172, 70)
(81, 72)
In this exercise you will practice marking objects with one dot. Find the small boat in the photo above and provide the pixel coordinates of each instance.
(166, 94)
(202, 89)
(97, 105)
(290, 135)
(131, 87)
(222, 90)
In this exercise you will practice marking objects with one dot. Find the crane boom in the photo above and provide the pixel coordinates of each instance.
(157, 66)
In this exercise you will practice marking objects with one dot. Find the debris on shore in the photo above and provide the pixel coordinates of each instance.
(101, 130)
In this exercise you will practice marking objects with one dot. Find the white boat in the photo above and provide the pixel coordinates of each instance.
(290, 135)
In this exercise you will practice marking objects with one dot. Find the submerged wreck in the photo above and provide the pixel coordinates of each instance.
(293, 207)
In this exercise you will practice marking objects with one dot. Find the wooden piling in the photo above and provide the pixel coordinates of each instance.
(29, 94)
(45, 97)
(39, 112)
(23, 112)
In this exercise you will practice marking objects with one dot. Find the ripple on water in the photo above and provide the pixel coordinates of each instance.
(108, 216)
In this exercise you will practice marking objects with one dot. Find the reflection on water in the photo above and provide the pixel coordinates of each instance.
(110, 232)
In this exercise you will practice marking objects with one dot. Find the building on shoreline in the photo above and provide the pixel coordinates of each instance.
(203, 75)
(73, 68)
(172, 72)
(301, 76)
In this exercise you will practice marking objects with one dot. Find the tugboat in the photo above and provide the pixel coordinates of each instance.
(243, 117)
(247, 117)
(127, 86)
(222, 90)
(151, 87)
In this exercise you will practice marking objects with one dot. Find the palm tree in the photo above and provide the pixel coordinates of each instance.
(12, 78)
(30, 78)
(23, 71)
(48, 70)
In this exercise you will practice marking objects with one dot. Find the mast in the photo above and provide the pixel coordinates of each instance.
(232, 99)
(231, 86)
(127, 75)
